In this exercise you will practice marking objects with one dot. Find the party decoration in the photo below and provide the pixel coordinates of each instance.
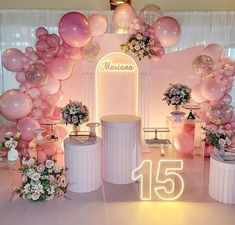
(123, 15)
(150, 13)
(37, 74)
(74, 29)
(184, 143)
(167, 30)
(214, 51)
(12, 59)
(203, 65)
(15, 105)
(98, 24)
(91, 52)
(196, 93)
(51, 87)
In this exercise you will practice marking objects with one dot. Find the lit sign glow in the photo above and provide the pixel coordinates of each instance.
(165, 175)
(116, 67)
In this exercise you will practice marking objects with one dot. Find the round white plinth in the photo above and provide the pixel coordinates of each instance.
(222, 181)
(84, 165)
(121, 147)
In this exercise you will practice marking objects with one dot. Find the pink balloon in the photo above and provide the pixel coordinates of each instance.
(167, 30)
(74, 29)
(60, 68)
(51, 87)
(37, 102)
(15, 105)
(184, 143)
(213, 89)
(123, 16)
(37, 113)
(41, 156)
(20, 77)
(26, 126)
(33, 93)
(196, 94)
(98, 24)
(41, 31)
(203, 65)
(215, 51)
(12, 59)
(47, 108)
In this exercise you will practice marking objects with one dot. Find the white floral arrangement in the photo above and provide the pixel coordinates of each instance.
(217, 136)
(177, 94)
(10, 141)
(142, 42)
(41, 181)
(75, 113)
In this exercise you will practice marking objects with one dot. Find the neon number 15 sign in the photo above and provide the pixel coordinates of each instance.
(166, 181)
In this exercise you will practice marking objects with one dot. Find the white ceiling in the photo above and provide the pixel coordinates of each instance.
(165, 5)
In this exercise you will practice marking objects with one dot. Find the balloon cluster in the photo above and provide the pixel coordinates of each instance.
(162, 31)
(216, 74)
(40, 70)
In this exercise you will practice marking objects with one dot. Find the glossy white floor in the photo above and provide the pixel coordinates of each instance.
(119, 205)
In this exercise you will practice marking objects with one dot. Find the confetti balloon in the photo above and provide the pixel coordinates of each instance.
(150, 13)
(203, 65)
(91, 52)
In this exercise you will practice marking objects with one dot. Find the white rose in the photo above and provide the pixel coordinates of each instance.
(40, 168)
(31, 162)
(221, 142)
(35, 176)
(8, 143)
(27, 188)
(35, 196)
(49, 164)
(24, 178)
(57, 169)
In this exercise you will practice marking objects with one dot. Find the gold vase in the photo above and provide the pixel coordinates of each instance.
(76, 129)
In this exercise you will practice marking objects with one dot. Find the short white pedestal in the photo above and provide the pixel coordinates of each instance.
(121, 147)
(84, 165)
(222, 181)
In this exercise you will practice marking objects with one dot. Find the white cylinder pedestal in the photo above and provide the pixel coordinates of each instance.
(222, 181)
(84, 165)
(121, 152)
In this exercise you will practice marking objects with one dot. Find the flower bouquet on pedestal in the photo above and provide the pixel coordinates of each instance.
(177, 95)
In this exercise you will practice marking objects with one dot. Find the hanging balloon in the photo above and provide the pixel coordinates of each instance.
(220, 113)
(91, 52)
(74, 29)
(37, 74)
(150, 13)
(229, 51)
(123, 16)
(167, 30)
(203, 65)
(98, 24)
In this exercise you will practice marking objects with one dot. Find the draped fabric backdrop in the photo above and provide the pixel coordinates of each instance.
(17, 29)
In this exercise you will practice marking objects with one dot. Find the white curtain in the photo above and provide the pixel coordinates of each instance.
(17, 29)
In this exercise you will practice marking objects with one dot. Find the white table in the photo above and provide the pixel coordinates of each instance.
(121, 147)
(84, 165)
(222, 181)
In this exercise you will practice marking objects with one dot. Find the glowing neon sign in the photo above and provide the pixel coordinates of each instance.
(116, 67)
(166, 175)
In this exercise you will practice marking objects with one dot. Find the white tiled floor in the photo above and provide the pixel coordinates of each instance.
(117, 205)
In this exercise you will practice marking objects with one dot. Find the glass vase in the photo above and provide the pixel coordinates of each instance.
(76, 129)
(177, 114)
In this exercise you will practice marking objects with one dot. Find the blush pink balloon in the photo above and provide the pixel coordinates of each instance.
(196, 94)
(167, 30)
(20, 77)
(123, 16)
(37, 113)
(26, 126)
(51, 87)
(12, 59)
(184, 143)
(15, 105)
(37, 102)
(74, 29)
(33, 93)
(213, 89)
(60, 68)
(98, 24)
(215, 51)
(41, 31)
(41, 156)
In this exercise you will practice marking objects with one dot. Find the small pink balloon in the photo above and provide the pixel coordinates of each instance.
(184, 143)
(74, 29)
(41, 157)
(123, 16)
(196, 94)
(26, 126)
(98, 24)
(12, 59)
(167, 30)
(47, 108)
(215, 51)
(227, 126)
(15, 105)
(41, 45)
(50, 150)
(37, 113)
(51, 87)
(33, 93)
(212, 89)
(20, 77)
(60, 68)
(41, 31)
(37, 102)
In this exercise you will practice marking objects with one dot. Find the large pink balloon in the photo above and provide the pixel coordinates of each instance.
(98, 24)
(184, 143)
(196, 94)
(167, 29)
(51, 87)
(15, 105)
(74, 29)
(12, 59)
(123, 16)
(26, 126)
(60, 68)
(215, 51)
(213, 89)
